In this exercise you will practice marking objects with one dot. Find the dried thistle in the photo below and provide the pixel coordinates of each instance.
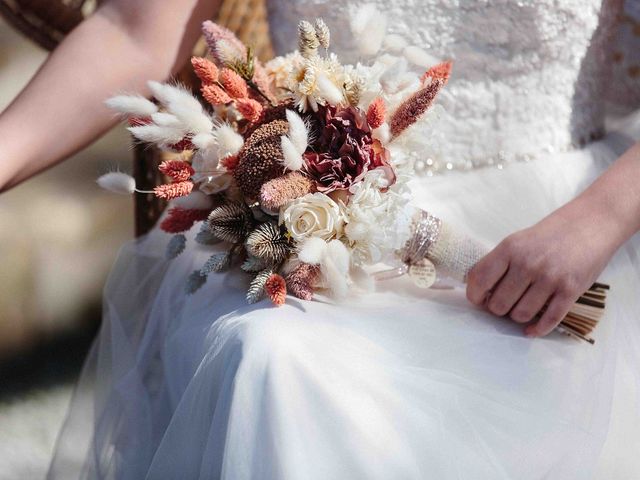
(322, 33)
(205, 236)
(231, 222)
(276, 288)
(308, 42)
(256, 287)
(268, 243)
(253, 264)
(173, 190)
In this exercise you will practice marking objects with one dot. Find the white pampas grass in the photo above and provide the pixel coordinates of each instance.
(229, 141)
(117, 182)
(196, 200)
(156, 134)
(135, 105)
(394, 43)
(204, 141)
(419, 57)
(292, 158)
(298, 132)
(335, 268)
(163, 119)
(295, 142)
(369, 27)
(382, 133)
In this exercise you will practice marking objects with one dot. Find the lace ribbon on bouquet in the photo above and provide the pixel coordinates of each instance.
(453, 254)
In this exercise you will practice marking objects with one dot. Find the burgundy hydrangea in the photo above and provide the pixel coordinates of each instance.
(346, 151)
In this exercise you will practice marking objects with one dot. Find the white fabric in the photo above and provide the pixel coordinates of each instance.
(398, 384)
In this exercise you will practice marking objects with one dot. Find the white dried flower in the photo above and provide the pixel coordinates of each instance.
(308, 42)
(318, 82)
(281, 69)
(313, 215)
(322, 33)
(378, 218)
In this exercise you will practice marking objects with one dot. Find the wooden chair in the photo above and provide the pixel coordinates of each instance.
(46, 22)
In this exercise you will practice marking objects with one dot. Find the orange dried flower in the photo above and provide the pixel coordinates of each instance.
(376, 113)
(249, 109)
(178, 170)
(173, 190)
(205, 69)
(233, 83)
(276, 289)
(230, 162)
(442, 71)
(215, 95)
(182, 219)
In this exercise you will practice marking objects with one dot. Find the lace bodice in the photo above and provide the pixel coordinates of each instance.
(529, 75)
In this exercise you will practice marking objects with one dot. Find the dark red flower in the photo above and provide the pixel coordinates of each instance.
(345, 151)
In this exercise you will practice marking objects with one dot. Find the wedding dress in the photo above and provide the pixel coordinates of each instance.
(402, 383)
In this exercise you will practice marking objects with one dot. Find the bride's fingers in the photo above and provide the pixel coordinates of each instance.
(558, 307)
(531, 303)
(484, 276)
(508, 291)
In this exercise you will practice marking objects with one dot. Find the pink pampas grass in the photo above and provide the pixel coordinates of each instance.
(301, 280)
(410, 111)
(376, 113)
(215, 95)
(281, 190)
(173, 190)
(233, 83)
(205, 69)
(182, 219)
(178, 170)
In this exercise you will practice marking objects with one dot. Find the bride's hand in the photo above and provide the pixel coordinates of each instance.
(547, 265)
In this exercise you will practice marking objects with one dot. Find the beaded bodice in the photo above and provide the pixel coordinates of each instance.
(529, 75)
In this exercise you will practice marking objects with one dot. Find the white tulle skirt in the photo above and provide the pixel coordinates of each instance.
(399, 384)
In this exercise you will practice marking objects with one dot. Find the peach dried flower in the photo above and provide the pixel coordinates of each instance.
(215, 95)
(276, 289)
(249, 109)
(376, 113)
(233, 83)
(205, 69)
(173, 190)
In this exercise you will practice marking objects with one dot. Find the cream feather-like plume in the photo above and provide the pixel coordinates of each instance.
(334, 260)
(117, 182)
(135, 105)
(295, 143)
(368, 27)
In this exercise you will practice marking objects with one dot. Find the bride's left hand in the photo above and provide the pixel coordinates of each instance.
(549, 264)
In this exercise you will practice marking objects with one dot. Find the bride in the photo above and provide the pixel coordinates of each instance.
(398, 384)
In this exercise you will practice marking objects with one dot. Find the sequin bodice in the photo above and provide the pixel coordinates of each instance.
(529, 75)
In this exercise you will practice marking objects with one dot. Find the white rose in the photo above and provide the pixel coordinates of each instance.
(216, 183)
(313, 215)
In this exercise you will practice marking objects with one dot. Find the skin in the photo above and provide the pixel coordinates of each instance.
(125, 43)
(120, 47)
(556, 260)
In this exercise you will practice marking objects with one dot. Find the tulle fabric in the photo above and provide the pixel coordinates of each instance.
(402, 383)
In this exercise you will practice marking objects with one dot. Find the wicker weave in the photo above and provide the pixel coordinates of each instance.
(47, 22)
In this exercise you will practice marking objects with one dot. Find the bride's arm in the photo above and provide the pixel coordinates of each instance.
(61, 110)
(557, 259)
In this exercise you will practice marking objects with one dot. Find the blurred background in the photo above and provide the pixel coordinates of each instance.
(59, 235)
